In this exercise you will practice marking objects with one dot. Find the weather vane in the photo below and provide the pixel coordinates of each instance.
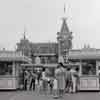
(64, 18)
(24, 32)
(66, 10)
(64, 7)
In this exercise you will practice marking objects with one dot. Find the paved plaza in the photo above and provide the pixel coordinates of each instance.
(21, 95)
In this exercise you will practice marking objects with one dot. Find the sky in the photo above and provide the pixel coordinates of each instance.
(42, 20)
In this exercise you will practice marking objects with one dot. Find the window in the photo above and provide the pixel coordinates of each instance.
(89, 67)
(5, 68)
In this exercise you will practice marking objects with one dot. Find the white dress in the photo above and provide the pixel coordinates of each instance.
(55, 84)
(60, 75)
(40, 83)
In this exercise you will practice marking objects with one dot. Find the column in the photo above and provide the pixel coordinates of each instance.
(14, 74)
(80, 66)
(97, 68)
(13, 69)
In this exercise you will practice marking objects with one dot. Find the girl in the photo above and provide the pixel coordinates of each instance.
(44, 82)
(55, 88)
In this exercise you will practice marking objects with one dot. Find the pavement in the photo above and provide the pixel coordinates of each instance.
(29, 95)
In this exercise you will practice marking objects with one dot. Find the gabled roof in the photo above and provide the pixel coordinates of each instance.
(64, 27)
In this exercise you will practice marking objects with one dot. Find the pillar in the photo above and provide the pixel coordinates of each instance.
(80, 66)
(14, 74)
(13, 69)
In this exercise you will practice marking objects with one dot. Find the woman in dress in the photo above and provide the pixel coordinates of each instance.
(60, 74)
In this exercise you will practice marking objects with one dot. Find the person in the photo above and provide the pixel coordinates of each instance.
(26, 77)
(32, 80)
(55, 86)
(77, 80)
(51, 85)
(60, 75)
(21, 79)
(74, 79)
(40, 86)
(38, 76)
(68, 81)
(45, 81)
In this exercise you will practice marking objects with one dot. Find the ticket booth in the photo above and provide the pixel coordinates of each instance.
(89, 62)
(10, 68)
(89, 77)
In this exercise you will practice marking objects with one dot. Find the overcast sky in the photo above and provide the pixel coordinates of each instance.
(42, 19)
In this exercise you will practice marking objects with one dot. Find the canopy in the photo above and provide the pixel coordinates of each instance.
(13, 56)
(47, 65)
(44, 54)
(84, 54)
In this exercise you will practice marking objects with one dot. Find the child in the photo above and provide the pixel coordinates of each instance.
(51, 85)
(40, 88)
(55, 86)
(44, 82)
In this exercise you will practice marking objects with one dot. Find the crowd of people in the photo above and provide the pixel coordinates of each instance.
(65, 80)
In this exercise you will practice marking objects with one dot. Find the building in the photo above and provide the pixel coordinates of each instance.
(10, 69)
(86, 59)
(48, 52)
(64, 38)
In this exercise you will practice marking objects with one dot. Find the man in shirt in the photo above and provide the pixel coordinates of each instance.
(33, 77)
(26, 77)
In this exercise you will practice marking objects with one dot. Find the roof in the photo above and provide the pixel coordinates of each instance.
(84, 54)
(13, 56)
(64, 27)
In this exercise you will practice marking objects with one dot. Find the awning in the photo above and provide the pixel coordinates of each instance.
(19, 59)
(47, 65)
(83, 54)
(13, 56)
(44, 54)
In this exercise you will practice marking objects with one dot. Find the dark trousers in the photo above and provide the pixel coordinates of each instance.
(25, 84)
(32, 84)
(51, 87)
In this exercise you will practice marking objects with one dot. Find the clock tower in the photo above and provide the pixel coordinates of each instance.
(64, 39)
